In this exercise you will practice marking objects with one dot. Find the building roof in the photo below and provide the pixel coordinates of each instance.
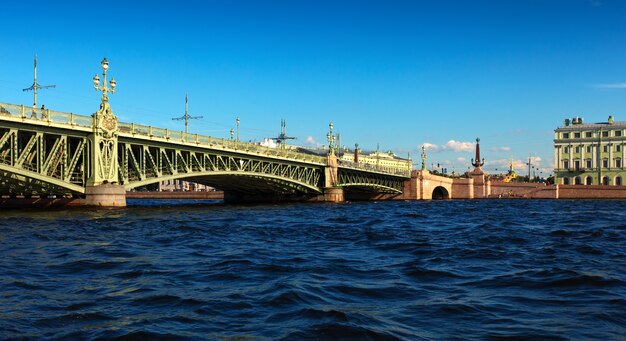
(598, 125)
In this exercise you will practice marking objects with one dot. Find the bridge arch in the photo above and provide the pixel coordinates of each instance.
(440, 193)
(38, 182)
(236, 181)
(373, 188)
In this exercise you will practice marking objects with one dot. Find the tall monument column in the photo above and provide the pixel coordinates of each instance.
(103, 188)
(481, 190)
(332, 193)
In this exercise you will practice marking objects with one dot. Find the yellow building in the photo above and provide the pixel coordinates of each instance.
(380, 160)
(590, 153)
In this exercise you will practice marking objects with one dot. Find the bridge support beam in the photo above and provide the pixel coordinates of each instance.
(105, 195)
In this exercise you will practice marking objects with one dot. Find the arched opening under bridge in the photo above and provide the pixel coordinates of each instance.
(440, 193)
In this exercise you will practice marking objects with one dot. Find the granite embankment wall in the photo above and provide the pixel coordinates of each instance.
(591, 192)
(542, 191)
(523, 190)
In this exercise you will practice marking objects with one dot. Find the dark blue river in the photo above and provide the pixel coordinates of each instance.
(496, 269)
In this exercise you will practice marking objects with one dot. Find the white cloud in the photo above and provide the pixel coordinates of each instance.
(430, 147)
(500, 149)
(610, 86)
(310, 140)
(458, 146)
(461, 160)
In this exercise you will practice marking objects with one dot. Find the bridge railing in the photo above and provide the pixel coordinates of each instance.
(248, 147)
(402, 171)
(46, 115)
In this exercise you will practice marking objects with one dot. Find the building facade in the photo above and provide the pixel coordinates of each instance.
(590, 153)
(182, 185)
(377, 159)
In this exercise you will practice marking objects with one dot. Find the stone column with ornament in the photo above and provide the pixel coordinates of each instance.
(332, 192)
(103, 187)
(481, 187)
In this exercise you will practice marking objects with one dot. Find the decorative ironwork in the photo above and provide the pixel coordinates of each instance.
(105, 131)
(370, 182)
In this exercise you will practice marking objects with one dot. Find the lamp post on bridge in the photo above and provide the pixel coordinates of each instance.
(103, 188)
(237, 121)
(105, 131)
(110, 87)
(331, 139)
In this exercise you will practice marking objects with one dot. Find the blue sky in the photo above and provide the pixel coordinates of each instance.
(397, 74)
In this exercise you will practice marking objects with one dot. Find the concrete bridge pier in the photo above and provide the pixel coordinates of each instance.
(105, 195)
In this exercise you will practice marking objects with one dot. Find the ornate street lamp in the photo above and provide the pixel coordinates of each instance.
(237, 121)
(331, 139)
(110, 87)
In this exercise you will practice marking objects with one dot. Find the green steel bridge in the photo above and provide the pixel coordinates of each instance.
(45, 152)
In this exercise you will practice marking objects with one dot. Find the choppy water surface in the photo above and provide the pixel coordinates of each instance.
(378, 270)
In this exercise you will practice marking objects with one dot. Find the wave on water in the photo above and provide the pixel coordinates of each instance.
(497, 270)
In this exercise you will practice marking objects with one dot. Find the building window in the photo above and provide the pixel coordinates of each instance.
(577, 149)
(588, 163)
(565, 181)
(605, 180)
(618, 133)
(588, 180)
(605, 134)
(588, 150)
(578, 180)
(577, 135)
(577, 165)
(605, 148)
(588, 134)
(618, 180)
(566, 135)
(566, 150)
(618, 163)
(618, 147)
(605, 163)
(566, 164)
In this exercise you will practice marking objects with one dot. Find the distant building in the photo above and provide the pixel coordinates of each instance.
(383, 160)
(181, 185)
(590, 153)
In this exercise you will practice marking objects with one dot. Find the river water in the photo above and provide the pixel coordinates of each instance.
(490, 269)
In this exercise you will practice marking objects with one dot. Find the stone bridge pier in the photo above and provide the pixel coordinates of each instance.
(332, 193)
